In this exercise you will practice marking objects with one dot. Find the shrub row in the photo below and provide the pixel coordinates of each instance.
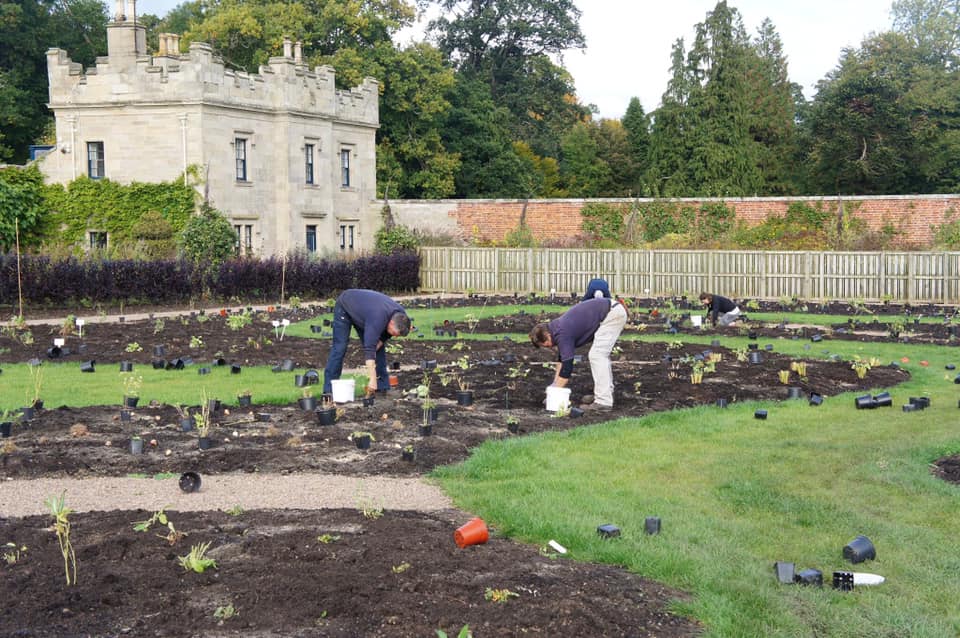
(69, 281)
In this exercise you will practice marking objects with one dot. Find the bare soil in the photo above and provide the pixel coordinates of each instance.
(396, 575)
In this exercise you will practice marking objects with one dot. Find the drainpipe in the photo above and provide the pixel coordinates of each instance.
(183, 141)
(73, 144)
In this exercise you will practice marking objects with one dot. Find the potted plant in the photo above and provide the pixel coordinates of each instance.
(696, 372)
(465, 394)
(307, 401)
(361, 439)
(203, 423)
(183, 414)
(327, 412)
(136, 444)
(36, 384)
(7, 417)
(244, 399)
(407, 453)
(131, 389)
(513, 424)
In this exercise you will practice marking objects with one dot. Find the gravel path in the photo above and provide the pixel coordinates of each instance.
(223, 491)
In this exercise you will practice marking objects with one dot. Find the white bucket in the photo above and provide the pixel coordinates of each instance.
(342, 390)
(557, 398)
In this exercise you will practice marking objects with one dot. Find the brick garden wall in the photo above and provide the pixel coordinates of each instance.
(914, 216)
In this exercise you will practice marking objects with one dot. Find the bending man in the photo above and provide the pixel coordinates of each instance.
(376, 317)
(600, 320)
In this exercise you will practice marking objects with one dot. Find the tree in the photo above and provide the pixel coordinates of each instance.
(208, 237)
(637, 125)
(21, 205)
(583, 171)
(887, 120)
(27, 29)
(932, 26)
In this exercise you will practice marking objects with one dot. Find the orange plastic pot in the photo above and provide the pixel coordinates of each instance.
(473, 532)
(394, 380)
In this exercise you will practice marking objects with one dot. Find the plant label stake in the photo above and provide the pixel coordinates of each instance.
(58, 342)
(80, 323)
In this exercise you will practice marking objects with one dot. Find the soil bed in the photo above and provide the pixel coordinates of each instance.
(272, 567)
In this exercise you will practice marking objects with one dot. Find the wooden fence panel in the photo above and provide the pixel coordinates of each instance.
(867, 276)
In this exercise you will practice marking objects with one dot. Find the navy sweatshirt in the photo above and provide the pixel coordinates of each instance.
(576, 327)
(370, 311)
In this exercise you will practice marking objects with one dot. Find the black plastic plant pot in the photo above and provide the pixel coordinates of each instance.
(865, 402)
(815, 339)
(721, 403)
(884, 400)
(327, 416)
(362, 442)
(235, 368)
(785, 572)
(430, 364)
(756, 357)
(768, 347)
(214, 405)
(752, 335)
(465, 397)
(186, 424)
(843, 581)
(158, 364)
(88, 366)
(38, 404)
(395, 366)
(130, 402)
(136, 446)
(315, 329)
(408, 455)
(425, 430)
(54, 352)
(307, 403)
(312, 377)
(815, 399)
(190, 482)
(220, 361)
(159, 351)
(922, 403)
(263, 417)
(5, 429)
(432, 414)
(368, 402)
(300, 380)
(126, 366)
(175, 364)
(760, 414)
(715, 343)
(28, 413)
(794, 392)
(608, 531)
(204, 442)
(287, 365)
(753, 346)
(244, 400)
(576, 413)
(326, 322)
(203, 370)
(651, 525)
(859, 550)
(809, 577)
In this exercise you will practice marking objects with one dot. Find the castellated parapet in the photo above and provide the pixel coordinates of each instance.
(200, 76)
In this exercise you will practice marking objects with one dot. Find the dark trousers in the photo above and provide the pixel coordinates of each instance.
(342, 325)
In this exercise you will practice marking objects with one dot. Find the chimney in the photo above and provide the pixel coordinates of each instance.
(286, 47)
(297, 52)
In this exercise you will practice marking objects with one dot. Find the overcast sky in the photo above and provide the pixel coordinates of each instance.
(629, 41)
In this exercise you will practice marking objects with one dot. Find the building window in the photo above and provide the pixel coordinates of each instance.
(248, 239)
(346, 237)
(345, 168)
(308, 163)
(236, 244)
(240, 149)
(311, 239)
(98, 240)
(95, 166)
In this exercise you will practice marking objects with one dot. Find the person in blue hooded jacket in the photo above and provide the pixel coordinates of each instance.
(597, 288)
(376, 317)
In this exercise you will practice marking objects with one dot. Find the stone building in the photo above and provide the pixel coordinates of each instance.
(288, 158)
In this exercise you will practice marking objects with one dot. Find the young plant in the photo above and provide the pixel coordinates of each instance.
(499, 595)
(61, 525)
(860, 366)
(196, 342)
(202, 420)
(239, 321)
(359, 434)
(784, 376)
(12, 553)
(36, 383)
(131, 384)
(800, 367)
(225, 612)
(463, 633)
(133, 346)
(9, 414)
(196, 560)
(158, 326)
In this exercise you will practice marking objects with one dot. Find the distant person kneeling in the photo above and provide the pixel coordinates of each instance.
(716, 305)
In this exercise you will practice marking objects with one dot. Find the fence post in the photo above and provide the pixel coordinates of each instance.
(529, 270)
(447, 277)
(497, 284)
(911, 277)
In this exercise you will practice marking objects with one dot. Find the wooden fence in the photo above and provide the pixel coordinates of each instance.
(864, 276)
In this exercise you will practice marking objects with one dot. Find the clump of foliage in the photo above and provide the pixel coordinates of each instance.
(208, 237)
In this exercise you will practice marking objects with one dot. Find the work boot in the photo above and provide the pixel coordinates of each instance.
(587, 399)
(595, 407)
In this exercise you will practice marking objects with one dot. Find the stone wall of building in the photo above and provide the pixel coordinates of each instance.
(159, 114)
